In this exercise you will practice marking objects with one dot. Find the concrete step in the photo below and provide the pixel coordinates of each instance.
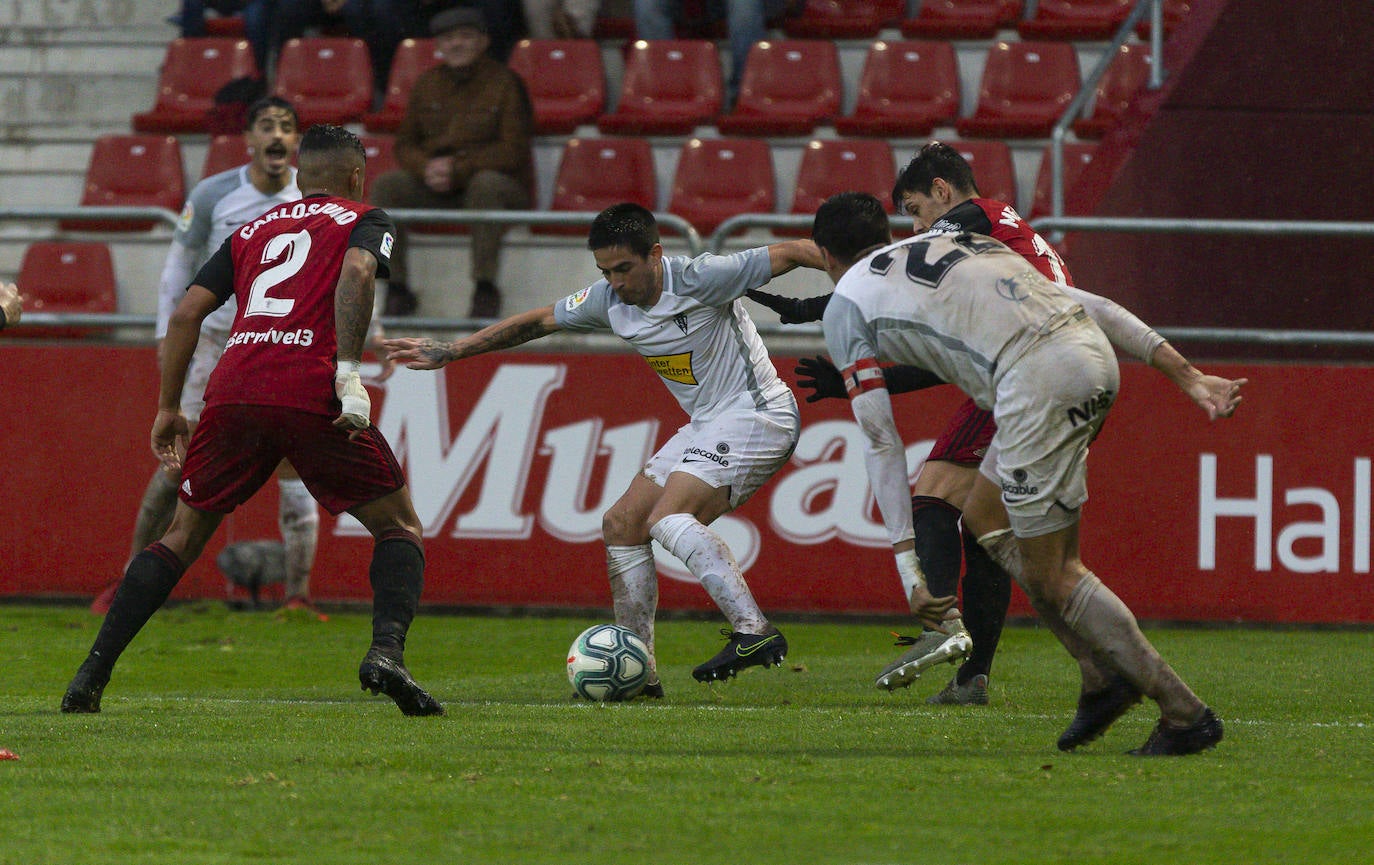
(84, 16)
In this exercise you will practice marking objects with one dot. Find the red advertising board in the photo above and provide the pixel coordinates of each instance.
(513, 457)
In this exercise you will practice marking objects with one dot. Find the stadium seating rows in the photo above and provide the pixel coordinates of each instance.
(789, 87)
(714, 177)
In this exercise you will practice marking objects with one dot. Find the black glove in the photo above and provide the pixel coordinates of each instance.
(825, 380)
(791, 310)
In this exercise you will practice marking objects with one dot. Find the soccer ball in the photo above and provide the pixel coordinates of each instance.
(608, 663)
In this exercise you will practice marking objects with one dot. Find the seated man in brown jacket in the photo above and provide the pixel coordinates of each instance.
(464, 143)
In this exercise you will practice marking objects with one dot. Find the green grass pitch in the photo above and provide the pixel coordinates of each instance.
(241, 738)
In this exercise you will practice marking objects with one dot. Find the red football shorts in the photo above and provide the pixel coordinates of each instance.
(236, 448)
(966, 436)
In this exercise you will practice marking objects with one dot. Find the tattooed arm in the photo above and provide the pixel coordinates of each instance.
(353, 295)
(433, 354)
(353, 302)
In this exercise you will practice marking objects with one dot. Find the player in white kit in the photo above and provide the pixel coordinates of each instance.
(968, 309)
(215, 208)
(686, 318)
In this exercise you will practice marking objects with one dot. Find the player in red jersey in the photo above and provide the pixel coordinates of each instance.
(937, 189)
(288, 386)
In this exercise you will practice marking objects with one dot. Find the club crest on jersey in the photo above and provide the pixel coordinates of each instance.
(188, 214)
(1011, 289)
(674, 367)
(575, 300)
(681, 321)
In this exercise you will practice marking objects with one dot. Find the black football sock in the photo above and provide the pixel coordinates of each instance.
(147, 582)
(938, 546)
(397, 575)
(987, 594)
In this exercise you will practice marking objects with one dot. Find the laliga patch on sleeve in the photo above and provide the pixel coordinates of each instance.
(573, 301)
(188, 213)
(387, 241)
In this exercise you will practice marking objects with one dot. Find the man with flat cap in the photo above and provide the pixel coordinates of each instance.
(464, 143)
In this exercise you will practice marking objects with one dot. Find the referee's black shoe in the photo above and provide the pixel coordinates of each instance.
(383, 675)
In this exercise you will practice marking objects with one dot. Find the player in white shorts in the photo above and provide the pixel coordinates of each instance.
(686, 318)
(968, 309)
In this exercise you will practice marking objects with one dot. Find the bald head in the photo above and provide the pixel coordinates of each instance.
(331, 160)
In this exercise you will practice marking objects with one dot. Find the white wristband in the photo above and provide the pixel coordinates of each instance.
(909, 569)
(355, 404)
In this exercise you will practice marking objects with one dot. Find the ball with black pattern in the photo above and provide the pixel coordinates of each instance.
(608, 663)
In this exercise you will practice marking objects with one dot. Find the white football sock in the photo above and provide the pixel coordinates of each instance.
(299, 521)
(711, 562)
(1103, 620)
(634, 592)
(1005, 551)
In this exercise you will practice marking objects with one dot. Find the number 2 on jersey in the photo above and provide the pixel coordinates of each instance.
(295, 247)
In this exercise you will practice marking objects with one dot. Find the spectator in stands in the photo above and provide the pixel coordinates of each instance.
(465, 142)
(561, 19)
(376, 22)
(11, 306)
(746, 23)
(504, 26)
(256, 15)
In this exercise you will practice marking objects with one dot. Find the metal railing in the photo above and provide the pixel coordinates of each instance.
(1270, 227)
(1085, 92)
(405, 216)
(742, 222)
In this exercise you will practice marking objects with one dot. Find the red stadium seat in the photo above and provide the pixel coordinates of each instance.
(1076, 158)
(131, 171)
(594, 173)
(836, 19)
(66, 277)
(718, 178)
(994, 170)
(225, 25)
(1129, 71)
(192, 71)
(906, 89)
(565, 80)
(962, 19)
(412, 57)
(327, 78)
(1075, 19)
(788, 87)
(381, 155)
(1175, 13)
(670, 87)
(225, 152)
(1025, 87)
(609, 26)
(832, 165)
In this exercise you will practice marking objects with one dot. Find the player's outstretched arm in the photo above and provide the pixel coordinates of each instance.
(791, 310)
(1218, 397)
(791, 254)
(424, 353)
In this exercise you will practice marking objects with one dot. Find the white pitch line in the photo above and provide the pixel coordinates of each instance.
(584, 706)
